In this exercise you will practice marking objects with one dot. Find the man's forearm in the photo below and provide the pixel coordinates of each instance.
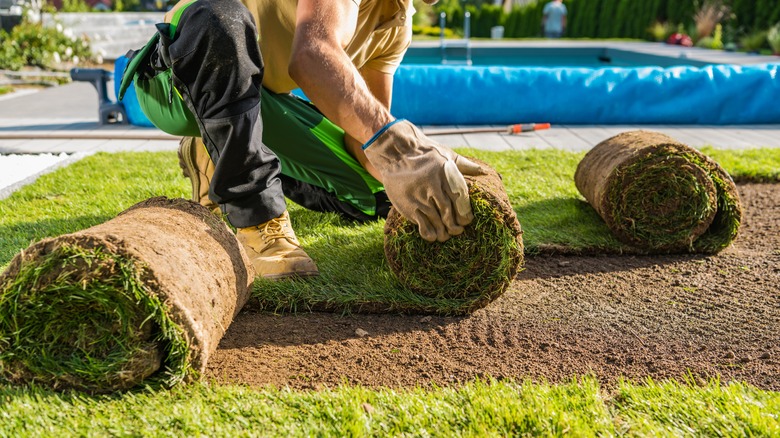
(327, 76)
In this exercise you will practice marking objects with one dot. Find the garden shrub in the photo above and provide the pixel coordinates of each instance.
(75, 6)
(755, 41)
(773, 37)
(34, 45)
(432, 31)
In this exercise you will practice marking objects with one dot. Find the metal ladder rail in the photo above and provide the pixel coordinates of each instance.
(464, 45)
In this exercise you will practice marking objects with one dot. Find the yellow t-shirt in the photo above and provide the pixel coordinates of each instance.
(382, 35)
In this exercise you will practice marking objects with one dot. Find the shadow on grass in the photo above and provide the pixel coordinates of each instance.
(355, 290)
(19, 236)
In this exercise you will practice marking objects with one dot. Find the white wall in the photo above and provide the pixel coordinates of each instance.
(111, 34)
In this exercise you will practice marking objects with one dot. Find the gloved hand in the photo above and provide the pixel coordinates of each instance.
(423, 179)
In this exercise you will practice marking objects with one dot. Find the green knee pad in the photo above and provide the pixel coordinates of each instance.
(160, 101)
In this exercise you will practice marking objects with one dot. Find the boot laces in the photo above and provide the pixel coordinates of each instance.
(277, 228)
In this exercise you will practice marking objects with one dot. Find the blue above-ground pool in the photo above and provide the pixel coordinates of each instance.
(600, 87)
(582, 84)
(463, 95)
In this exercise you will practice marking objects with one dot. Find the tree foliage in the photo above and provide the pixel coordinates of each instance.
(606, 18)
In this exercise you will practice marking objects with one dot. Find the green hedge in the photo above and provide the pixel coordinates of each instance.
(607, 18)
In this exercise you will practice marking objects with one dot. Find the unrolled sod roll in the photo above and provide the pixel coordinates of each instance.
(660, 195)
(142, 298)
(471, 269)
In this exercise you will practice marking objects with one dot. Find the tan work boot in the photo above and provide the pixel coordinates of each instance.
(196, 165)
(275, 251)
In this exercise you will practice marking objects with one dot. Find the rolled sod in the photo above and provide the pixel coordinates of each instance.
(142, 298)
(475, 267)
(659, 195)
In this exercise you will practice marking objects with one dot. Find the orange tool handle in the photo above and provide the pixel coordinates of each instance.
(526, 127)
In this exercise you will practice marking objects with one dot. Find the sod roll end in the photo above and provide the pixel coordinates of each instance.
(142, 298)
(659, 195)
(473, 268)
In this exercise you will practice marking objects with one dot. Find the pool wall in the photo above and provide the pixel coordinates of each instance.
(473, 95)
(465, 95)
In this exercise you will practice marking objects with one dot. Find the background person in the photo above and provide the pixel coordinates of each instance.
(554, 19)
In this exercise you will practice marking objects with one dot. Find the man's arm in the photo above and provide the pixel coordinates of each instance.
(321, 67)
(380, 85)
(423, 180)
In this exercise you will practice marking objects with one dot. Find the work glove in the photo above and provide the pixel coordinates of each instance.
(423, 179)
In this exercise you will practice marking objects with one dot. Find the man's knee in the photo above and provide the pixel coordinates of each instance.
(222, 25)
(213, 51)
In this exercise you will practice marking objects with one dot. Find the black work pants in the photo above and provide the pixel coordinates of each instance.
(218, 69)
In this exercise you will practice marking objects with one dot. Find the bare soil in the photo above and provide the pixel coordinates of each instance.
(563, 317)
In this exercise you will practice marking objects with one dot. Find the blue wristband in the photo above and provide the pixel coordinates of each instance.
(380, 132)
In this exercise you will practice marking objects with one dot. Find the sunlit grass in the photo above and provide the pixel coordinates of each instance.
(481, 408)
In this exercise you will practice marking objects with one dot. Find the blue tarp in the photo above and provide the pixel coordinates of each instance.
(133, 109)
(464, 95)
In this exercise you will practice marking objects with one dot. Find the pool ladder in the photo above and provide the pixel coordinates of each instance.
(456, 51)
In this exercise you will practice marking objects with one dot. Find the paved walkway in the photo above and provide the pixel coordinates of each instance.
(64, 119)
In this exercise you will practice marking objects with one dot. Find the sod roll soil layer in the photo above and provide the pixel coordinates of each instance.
(659, 195)
(475, 267)
(142, 298)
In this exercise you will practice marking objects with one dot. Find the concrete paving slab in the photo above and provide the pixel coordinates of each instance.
(487, 141)
(13, 146)
(562, 137)
(6, 191)
(31, 147)
(529, 140)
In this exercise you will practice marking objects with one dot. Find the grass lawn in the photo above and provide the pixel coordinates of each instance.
(354, 274)
(579, 408)
(540, 185)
